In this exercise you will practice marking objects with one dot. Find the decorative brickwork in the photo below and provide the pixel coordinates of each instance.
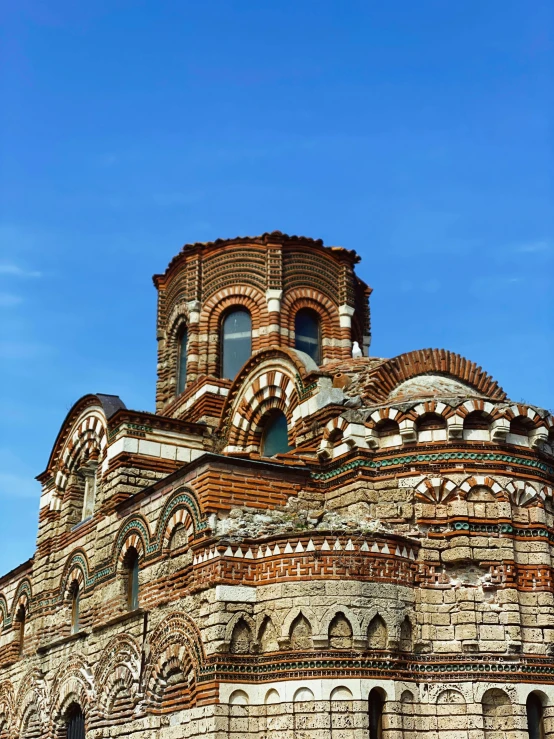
(389, 573)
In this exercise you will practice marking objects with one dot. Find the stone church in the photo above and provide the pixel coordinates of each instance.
(304, 541)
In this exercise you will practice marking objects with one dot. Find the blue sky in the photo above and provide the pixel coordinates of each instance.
(417, 133)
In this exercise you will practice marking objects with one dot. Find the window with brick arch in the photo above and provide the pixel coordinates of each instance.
(131, 563)
(21, 619)
(236, 342)
(182, 361)
(307, 333)
(75, 608)
(275, 436)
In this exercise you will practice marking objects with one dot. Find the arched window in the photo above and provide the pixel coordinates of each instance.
(275, 437)
(535, 724)
(132, 566)
(307, 333)
(236, 344)
(75, 722)
(89, 495)
(376, 703)
(182, 364)
(75, 608)
(20, 618)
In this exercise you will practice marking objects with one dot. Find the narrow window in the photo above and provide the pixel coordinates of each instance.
(236, 345)
(21, 618)
(75, 608)
(132, 561)
(535, 724)
(182, 368)
(307, 334)
(90, 493)
(375, 708)
(75, 723)
(275, 437)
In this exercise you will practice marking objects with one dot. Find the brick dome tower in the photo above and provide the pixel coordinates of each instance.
(276, 280)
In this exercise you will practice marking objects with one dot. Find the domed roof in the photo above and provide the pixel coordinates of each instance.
(431, 386)
(425, 373)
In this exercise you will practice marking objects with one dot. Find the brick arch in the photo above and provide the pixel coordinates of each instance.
(32, 696)
(436, 490)
(211, 315)
(4, 613)
(282, 360)
(133, 533)
(179, 317)
(335, 424)
(183, 502)
(73, 682)
(482, 481)
(523, 492)
(253, 441)
(76, 570)
(517, 410)
(118, 669)
(264, 394)
(175, 645)
(384, 414)
(480, 406)
(178, 320)
(7, 708)
(273, 374)
(23, 597)
(328, 312)
(388, 375)
(83, 437)
(354, 436)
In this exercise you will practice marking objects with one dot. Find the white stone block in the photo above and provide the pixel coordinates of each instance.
(235, 594)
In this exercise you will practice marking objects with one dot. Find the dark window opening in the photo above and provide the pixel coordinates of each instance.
(75, 609)
(387, 427)
(75, 723)
(430, 421)
(476, 420)
(275, 437)
(522, 426)
(236, 345)
(182, 366)
(21, 619)
(376, 705)
(535, 723)
(307, 334)
(132, 566)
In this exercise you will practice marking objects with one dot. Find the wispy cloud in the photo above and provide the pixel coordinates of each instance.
(14, 270)
(7, 300)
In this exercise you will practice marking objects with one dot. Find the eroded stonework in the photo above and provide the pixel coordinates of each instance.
(386, 575)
